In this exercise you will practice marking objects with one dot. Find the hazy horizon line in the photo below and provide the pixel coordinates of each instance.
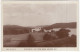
(38, 25)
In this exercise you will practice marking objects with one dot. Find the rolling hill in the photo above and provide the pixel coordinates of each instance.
(15, 29)
(62, 25)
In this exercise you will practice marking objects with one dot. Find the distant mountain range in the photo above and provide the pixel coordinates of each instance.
(56, 25)
(12, 29)
(15, 29)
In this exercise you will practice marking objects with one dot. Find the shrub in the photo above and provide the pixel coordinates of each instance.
(62, 33)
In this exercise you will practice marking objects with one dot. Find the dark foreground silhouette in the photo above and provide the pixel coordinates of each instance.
(63, 42)
(62, 39)
(29, 43)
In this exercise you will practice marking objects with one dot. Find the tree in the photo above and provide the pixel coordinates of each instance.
(47, 37)
(73, 40)
(62, 33)
(30, 41)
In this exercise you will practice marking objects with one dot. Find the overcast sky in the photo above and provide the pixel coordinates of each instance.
(38, 14)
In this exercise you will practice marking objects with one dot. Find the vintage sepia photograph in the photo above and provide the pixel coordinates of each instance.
(42, 24)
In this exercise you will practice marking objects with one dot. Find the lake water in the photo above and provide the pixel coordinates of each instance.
(72, 30)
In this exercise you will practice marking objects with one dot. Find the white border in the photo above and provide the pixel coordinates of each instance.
(59, 49)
